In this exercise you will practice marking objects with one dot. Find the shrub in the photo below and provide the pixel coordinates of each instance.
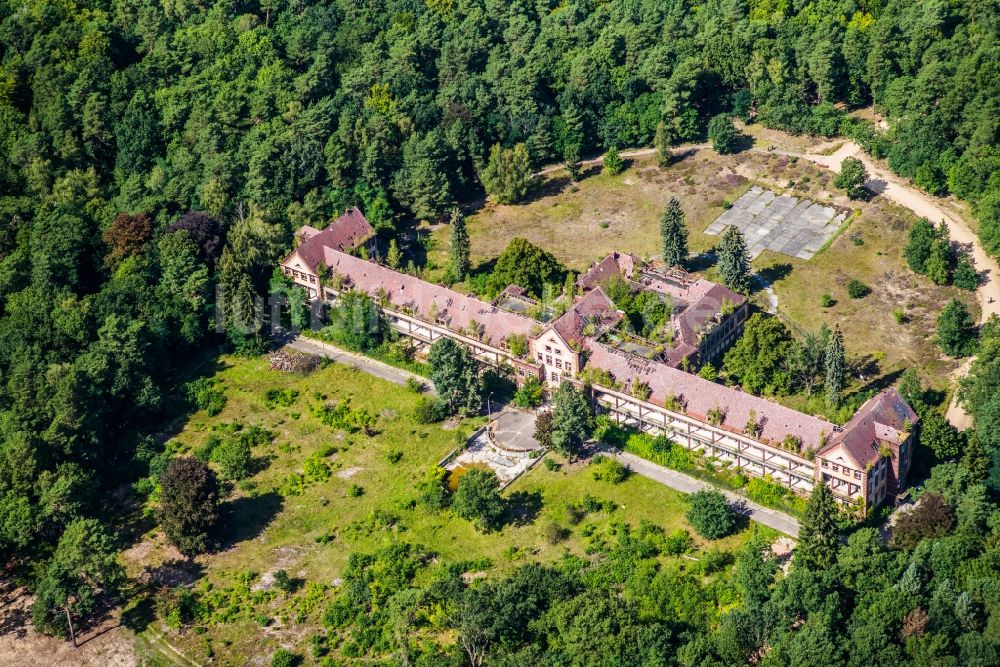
(204, 453)
(206, 394)
(551, 465)
(283, 398)
(765, 492)
(234, 458)
(827, 300)
(677, 543)
(394, 456)
(605, 468)
(554, 533)
(284, 658)
(432, 491)
(429, 410)
(857, 289)
(711, 515)
(415, 385)
(315, 468)
(283, 581)
(900, 316)
(355, 491)
(660, 450)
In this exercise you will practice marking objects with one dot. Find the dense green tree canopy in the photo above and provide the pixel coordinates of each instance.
(225, 126)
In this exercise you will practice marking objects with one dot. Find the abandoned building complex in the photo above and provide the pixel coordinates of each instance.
(638, 382)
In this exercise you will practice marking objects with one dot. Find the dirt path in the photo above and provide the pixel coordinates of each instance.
(896, 189)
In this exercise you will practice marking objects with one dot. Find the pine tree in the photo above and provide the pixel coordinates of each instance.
(965, 275)
(734, 259)
(571, 160)
(393, 257)
(817, 548)
(956, 330)
(674, 234)
(975, 459)
(663, 140)
(508, 176)
(459, 245)
(613, 164)
(835, 364)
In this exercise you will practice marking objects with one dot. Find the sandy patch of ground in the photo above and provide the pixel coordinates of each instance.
(348, 473)
(104, 645)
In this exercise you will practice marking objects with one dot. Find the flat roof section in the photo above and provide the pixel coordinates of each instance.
(783, 223)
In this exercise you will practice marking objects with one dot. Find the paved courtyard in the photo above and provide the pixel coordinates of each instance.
(785, 224)
(512, 450)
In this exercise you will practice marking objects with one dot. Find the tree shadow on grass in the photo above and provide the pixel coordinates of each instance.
(547, 188)
(701, 262)
(775, 272)
(523, 507)
(681, 155)
(138, 616)
(245, 518)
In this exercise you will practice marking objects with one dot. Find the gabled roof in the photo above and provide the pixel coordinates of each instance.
(883, 419)
(428, 301)
(347, 232)
(594, 308)
(699, 396)
(616, 264)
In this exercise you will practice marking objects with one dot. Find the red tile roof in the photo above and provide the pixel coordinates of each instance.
(697, 302)
(347, 232)
(884, 418)
(594, 308)
(428, 301)
(699, 396)
(616, 264)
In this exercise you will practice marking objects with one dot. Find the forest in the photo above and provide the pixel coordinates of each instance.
(153, 151)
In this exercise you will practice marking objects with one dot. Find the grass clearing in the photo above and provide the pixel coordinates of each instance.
(582, 222)
(311, 535)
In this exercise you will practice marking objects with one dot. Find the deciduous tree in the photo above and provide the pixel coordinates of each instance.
(710, 514)
(478, 499)
(572, 419)
(852, 177)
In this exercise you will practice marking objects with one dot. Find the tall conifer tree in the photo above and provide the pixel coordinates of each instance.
(835, 363)
(734, 259)
(818, 532)
(674, 234)
(460, 248)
